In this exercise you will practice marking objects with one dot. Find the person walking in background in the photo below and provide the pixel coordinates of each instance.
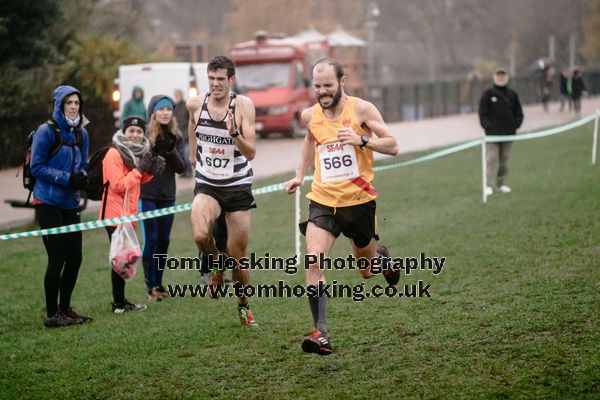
(343, 133)
(135, 106)
(546, 80)
(565, 96)
(500, 113)
(181, 117)
(577, 90)
(60, 173)
(166, 141)
(125, 167)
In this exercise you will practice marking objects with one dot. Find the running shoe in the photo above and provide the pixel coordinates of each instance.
(74, 314)
(60, 319)
(164, 293)
(317, 343)
(391, 275)
(247, 317)
(205, 278)
(154, 295)
(216, 279)
(120, 308)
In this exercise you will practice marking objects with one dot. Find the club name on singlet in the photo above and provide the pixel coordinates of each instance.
(219, 162)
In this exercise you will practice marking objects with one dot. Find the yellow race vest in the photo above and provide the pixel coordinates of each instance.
(343, 173)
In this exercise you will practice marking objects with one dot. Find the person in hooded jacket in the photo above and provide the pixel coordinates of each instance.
(135, 106)
(125, 167)
(59, 178)
(166, 141)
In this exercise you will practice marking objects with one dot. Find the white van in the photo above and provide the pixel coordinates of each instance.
(158, 78)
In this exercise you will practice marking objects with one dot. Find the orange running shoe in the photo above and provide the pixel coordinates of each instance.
(216, 282)
(317, 343)
(247, 317)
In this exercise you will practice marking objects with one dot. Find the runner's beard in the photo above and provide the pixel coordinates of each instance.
(336, 99)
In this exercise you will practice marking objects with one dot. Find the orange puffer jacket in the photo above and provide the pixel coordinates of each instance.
(120, 179)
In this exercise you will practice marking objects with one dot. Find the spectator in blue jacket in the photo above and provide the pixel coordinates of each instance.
(60, 173)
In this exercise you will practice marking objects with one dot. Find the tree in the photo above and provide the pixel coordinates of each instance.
(46, 43)
(591, 47)
(26, 32)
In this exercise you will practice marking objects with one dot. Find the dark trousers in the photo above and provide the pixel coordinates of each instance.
(64, 256)
(157, 236)
(118, 283)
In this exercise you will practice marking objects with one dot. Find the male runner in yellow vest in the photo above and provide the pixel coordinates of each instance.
(343, 132)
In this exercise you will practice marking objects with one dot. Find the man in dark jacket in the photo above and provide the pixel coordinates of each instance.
(577, 89)
(182, 117)
(500, 113)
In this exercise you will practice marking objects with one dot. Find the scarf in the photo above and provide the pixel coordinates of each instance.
(131, 152)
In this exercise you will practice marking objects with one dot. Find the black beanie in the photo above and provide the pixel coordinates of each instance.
(135, 121)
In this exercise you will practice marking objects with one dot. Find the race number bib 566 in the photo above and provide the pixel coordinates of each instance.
(218, 161)
(338, 162)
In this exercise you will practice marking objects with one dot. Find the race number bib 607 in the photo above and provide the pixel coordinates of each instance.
(338, 162)
(218, 161)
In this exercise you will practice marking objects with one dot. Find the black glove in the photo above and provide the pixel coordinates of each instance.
(158, 165)
(146, 162)
(78, 181)
(165, 143)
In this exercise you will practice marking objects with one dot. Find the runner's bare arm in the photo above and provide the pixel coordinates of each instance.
(383, 141)
(306, 158)
(193, 105)
(245, 120)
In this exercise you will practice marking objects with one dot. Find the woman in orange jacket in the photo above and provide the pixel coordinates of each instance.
(125, 167)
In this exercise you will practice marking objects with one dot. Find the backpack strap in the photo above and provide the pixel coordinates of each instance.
(58, 142)
(57, 139)
(105, 196)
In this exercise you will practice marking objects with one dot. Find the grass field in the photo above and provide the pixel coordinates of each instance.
(514, 314)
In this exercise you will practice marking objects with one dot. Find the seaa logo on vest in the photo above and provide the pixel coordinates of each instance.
(346, 122)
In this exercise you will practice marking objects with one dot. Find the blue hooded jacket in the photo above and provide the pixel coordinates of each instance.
(52, 176)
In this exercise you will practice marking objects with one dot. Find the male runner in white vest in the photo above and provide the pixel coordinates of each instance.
(222, 144)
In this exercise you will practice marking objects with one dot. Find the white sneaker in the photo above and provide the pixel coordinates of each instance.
(505, 189)
(489, 191)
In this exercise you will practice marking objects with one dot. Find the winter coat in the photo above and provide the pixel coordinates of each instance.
(577, 87)
(163, 187)
(52, 176)
(134, 106)
(500, 111)
(120, 179)
(182, 117)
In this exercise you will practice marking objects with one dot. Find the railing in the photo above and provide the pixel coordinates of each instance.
(414, 101)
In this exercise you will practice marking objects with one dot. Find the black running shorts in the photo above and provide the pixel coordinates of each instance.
(355, 222)
(231, 199)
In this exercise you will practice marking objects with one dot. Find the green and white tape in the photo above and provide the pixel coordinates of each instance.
(84, 226)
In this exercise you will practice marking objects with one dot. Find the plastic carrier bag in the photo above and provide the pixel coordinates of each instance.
(124, 250)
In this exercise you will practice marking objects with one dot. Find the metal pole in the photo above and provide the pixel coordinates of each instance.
(483, 169)
(551, 48)
(297, 215)
(595, 138)
(371, 24)
(571, 51)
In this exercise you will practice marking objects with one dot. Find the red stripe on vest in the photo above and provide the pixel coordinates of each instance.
(364, 185)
